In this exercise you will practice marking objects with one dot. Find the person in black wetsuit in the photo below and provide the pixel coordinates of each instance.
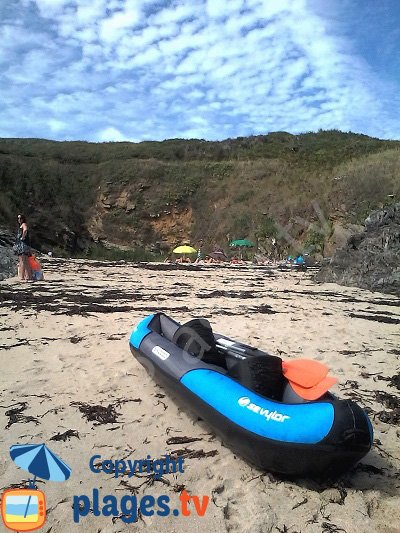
(23, 249)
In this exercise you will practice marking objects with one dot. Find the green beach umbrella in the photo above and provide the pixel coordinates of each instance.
(242, 243)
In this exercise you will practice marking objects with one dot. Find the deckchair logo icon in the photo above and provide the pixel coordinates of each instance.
(24, 509)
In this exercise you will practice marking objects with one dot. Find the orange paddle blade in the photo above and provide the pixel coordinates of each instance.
(315, 392)
(304, 372)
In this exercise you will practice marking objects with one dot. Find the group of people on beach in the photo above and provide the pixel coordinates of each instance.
(217, 256)
(29, 268)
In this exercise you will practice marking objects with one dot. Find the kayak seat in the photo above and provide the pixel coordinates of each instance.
(261, 374)
(196, 337)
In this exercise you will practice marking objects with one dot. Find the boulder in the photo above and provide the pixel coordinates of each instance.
(340, 235)
(370, 259)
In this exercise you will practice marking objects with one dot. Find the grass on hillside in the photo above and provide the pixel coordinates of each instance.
(291, 187)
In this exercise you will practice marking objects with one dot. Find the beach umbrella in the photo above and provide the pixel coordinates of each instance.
(40, 461)
(219, 255)
(184, 250)
(242, 243)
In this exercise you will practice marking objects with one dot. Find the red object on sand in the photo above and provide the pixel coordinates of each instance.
(34, 263)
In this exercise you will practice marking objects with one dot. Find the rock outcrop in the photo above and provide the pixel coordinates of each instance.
(8, 260)
(370, 259)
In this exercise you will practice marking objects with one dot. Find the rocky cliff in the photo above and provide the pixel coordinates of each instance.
(371, 258)
(296, 191)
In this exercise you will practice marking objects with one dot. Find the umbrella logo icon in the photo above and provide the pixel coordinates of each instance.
(25, 509)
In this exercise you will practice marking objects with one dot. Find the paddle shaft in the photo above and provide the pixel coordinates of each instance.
(236, 349)
(232, 351)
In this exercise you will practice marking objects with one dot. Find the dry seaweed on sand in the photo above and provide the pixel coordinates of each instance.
(66, 435)
(376, 318)
(120, 401)
(187, 453)
(264, 309)
(182, 440)
(178, 487)
(328, 527)
(15, 415)
(394, 381)
(98, 413)
(21, 342)
(55, 410)
(286, 529)
(391, 402)
(148, 481)
(227, 294)
(300, 504)
(159, 402)
(68, 302)
(169, 429)
(388, 400)
(116, 336)
(392, 418)
(75, 339)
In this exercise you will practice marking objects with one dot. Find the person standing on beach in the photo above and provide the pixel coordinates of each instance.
(198, 258)
(23, 249)
(199, 254)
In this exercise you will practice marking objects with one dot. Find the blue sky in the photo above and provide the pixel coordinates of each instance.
(114, 70)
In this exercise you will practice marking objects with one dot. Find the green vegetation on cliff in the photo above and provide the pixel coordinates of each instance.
(290, 187)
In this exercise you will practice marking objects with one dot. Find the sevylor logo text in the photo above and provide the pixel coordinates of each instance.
(244, 401)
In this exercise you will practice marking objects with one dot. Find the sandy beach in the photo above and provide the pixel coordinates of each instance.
(65, 350)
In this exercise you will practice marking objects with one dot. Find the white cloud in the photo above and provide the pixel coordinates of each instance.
(169, 16)
(51, 8)
(223, 8)
(143, 58)
(88, 11)
(56, 125)
(110, 134)
(136, 69)
(112, 28)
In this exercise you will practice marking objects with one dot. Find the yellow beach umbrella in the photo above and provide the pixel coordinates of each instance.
(184, 250)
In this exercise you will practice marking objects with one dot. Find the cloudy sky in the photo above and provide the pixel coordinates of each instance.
(111, 70)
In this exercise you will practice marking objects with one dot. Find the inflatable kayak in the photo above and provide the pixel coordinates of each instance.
(252, 400)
